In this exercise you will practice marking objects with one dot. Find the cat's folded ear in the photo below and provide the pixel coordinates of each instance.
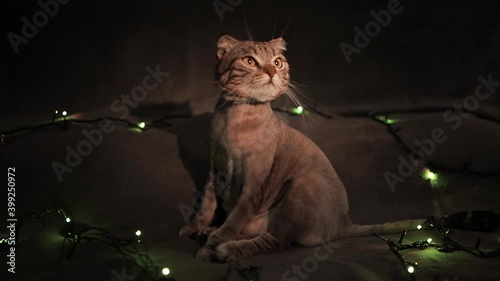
(224, 45)
(278, 44)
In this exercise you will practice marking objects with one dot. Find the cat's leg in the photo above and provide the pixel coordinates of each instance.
(237, 250)
(270, 232)
(200, 224)
(249, 203)
(230, 230)
(294, 220)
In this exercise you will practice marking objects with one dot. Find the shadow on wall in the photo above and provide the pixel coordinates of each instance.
(192, 135)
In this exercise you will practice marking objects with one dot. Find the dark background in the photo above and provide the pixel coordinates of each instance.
(93, 51)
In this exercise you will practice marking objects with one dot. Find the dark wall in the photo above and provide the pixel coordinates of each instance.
(90, 52)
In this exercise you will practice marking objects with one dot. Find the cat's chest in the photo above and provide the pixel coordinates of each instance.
(236, 139)
(228, 153)
(228, 171)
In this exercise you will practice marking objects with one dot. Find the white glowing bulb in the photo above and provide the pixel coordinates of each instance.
(165, 271)
(411, 269)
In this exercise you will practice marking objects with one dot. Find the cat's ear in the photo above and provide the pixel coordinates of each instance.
(278, 44)
(224, 45)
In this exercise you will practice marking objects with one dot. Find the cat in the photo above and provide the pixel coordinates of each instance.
(280, 188)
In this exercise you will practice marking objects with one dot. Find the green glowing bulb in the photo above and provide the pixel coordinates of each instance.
(141, 125)
(430, 175)
(138, 233)
(429, 240)
(386, 120)
(165, 271)
(64, 113)
(298, 110)
(68, 220)
(419, 226)
(411, 269)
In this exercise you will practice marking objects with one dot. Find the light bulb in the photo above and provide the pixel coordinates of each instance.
(419, 226)
(138, 233)
(411, 269)
(141, 125)
(165, 271)
(64, 113)
(68, 220)
(429, 240)
(298, 110)
(430, 175)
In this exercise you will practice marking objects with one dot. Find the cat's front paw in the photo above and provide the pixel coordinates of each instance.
(192, 230)
(207, 255)
(225, 253)
(187, 231)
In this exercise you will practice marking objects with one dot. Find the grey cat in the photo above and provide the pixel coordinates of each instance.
(282, 187)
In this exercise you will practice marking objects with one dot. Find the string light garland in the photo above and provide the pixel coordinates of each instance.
(61, 120)
(132, 250)
(448, 244)
(426, 164)
(129, 248)
(64, 121)
(298, 110)
(301, 109)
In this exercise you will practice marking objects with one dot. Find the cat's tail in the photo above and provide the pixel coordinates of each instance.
(353, 230)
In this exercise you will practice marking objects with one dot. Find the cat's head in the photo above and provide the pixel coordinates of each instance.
(249, 70)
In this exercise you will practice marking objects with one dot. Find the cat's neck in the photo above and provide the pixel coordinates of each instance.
(241, 111)
(227, 100)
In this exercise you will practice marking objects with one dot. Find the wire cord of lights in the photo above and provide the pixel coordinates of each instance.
(447, 245)
(62, 120)
(133, 249)
(385, 120)
(65, 120)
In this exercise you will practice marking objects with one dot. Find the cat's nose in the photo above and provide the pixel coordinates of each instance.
(270, 70)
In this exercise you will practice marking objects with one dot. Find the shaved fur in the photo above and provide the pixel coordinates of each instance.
(280, 188)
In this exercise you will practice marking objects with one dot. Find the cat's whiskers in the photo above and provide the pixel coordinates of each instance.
(295, 87)
(286, 27)
(290, 92)
(221, 105)
(292, 97)
(308, 117)
(249, 33)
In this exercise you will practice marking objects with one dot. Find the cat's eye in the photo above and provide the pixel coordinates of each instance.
(278, 63)
(249, 61)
